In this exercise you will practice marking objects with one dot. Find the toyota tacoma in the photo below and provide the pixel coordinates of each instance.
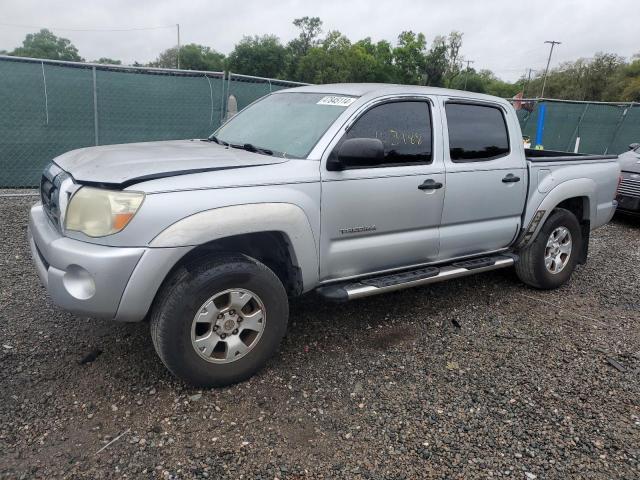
(348, 190)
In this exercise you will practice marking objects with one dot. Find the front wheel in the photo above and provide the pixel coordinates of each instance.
(550, 259)
(217, 322)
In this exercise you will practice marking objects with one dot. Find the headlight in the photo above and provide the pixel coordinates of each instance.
(98, 212)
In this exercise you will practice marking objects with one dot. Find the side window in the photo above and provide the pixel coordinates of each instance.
(476, 132)
(403, 127)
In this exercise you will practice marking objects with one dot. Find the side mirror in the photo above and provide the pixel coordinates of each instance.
(357, 152)
(634, 146)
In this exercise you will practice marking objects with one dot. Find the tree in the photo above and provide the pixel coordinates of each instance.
(484, 81)
(410, 57)
(328, 62)
(631, 92)
(198, 57)
(260, 56)
(310, 30)
(108, 61)
(625, 84)
(380, 67)
(436, 63)
(443, 63)
(599, 71)
(454, 62)
(44, 44)
(192, 57)
(167, 59)
(599, 79)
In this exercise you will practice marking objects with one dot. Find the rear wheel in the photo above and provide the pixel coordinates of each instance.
(217, 322)
(549, 261)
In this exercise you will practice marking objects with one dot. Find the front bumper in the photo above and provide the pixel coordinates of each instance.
(628, 204)
(99, 281)
(80, 277)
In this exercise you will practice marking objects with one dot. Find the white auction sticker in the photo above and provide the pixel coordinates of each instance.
(337, 101)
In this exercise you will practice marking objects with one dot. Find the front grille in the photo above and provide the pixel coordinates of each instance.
(52, 177)
(629, 187)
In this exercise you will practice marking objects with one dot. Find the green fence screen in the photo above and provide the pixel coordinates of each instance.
(601, 127)
(48, 108)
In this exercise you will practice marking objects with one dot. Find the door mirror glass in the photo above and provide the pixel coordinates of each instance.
(358, 152)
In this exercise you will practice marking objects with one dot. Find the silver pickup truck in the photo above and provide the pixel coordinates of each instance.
(347, 190)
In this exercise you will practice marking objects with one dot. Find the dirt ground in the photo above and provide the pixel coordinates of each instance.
(475, 378)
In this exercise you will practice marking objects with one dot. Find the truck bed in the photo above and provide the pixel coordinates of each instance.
(533, 155)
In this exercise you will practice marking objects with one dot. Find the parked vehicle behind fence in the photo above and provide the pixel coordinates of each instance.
(629, 190)
(347, 190)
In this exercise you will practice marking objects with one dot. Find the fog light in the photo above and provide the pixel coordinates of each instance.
(78, 282)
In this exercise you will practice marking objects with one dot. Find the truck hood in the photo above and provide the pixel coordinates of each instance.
(127, 164)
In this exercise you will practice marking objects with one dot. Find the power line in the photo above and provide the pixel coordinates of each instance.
(15, 25)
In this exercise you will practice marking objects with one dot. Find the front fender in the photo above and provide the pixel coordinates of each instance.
(233, 220)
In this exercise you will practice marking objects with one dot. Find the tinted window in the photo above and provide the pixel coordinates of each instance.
(403, 127)
(476, 132)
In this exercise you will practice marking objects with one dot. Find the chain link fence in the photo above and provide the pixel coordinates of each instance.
(246, 89)
(51, 107)
(584, 127)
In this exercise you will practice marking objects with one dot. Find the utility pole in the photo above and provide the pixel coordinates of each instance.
(546, 71)
(178, 52)
(526, 84)
(466, 73)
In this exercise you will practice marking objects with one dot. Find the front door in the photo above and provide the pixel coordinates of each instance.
(385, 216)
(486, 180)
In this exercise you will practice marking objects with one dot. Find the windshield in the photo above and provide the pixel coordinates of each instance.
(289, 124)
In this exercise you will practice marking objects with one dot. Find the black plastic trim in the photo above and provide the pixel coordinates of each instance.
(402, 277)
(157, 176)
(476, 263)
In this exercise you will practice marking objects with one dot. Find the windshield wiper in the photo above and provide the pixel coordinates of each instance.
(252, 148)
(215, 139)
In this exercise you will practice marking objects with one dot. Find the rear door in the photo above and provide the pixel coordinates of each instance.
(376, 218)
(486, 179)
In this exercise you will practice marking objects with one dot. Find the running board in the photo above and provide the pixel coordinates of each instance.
(342, 292)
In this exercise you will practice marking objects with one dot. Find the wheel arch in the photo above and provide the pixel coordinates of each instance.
(272, 248)
(577, 196)
(252, 229)
(277, 234)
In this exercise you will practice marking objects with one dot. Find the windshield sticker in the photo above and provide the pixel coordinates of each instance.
(337, 101)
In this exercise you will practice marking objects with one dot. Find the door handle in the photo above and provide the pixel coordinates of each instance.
(510, 178)
(430, 184)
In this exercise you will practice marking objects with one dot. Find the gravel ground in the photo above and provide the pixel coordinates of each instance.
(475, 378)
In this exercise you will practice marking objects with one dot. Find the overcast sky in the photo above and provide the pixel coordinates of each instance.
(505, 36)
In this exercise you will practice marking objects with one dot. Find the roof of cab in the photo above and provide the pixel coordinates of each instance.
(362, 89)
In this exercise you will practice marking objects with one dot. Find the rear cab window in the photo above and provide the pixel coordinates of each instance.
(477, 133)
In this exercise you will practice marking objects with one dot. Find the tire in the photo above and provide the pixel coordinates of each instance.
(531, 267)
(190, 290)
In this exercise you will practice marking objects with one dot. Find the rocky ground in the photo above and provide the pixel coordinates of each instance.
(476, 378)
